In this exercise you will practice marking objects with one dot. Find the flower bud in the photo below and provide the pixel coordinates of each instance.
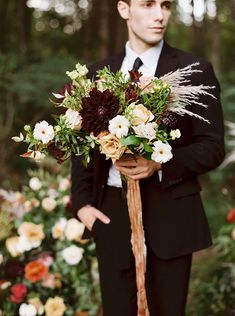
(27, 128)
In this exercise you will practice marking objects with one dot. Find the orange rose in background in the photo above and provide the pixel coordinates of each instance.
(35, 271)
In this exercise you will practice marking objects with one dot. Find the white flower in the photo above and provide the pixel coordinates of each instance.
(161, 152)
(72, 255)
(64, 184)
(43, 132)
(72, 74)
(82, 70)
(48, 204)
(26, 245)
(146, 130)
(58, 228)
(119, 126)
(27, 310)
(73, 119)
(74, 229)
(35, 184)
(175, 134)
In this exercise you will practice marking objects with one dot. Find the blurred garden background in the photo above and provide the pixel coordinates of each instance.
(39, 41)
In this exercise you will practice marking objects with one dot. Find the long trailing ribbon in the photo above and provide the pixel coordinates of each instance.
(138, 242)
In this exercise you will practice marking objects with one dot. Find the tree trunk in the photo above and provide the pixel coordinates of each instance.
(23, 24)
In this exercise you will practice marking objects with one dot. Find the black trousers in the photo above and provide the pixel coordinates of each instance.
(166, 280)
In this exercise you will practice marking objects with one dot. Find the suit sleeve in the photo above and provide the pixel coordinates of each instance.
(82, 179)
(206, 149)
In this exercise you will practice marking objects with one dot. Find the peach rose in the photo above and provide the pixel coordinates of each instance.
(55, 306)
(37, 303)
(12, 246)
(32, 232)
(111, 146)
(138, 114)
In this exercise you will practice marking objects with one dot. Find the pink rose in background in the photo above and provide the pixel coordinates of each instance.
(145, 83)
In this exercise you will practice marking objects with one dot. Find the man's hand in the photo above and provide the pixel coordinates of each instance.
(137, 167)
(89, 214)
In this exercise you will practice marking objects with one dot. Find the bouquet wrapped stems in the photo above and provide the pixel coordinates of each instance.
(138, 242)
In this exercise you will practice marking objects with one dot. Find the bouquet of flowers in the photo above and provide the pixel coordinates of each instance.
(118, 114)
(45, 267)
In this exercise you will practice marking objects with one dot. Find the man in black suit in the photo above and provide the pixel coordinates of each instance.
(174, 220)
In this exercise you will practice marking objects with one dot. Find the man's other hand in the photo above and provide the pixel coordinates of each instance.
(89, 214)
(137, 167)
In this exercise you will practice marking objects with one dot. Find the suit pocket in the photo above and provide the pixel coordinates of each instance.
(186, 188)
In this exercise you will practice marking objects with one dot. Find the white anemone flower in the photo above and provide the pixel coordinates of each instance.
(161, 152)
(119, 126)
(43, 132)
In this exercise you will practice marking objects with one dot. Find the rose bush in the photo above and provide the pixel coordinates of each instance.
(45, 267)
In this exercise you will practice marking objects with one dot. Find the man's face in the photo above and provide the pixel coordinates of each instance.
(147, 20)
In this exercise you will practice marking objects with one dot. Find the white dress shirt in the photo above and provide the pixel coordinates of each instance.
(150, 61)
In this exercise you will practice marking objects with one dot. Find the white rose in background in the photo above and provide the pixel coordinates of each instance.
(27, 310)
(161, 152)
(64, 184)
(175, 134)
(49, 204)
(43, 132)
(146, 130)
(73, 119)
(35, 184)
(59, 228)
(25, 245)
(72, 255)
(119, 126)
(74, 229)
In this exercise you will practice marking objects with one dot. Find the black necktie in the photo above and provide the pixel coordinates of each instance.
(138, 62)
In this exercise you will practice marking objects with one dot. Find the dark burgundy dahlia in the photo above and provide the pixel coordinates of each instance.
(14, 269)
(97, 110)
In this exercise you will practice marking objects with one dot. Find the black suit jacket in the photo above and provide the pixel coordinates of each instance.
(174, 218)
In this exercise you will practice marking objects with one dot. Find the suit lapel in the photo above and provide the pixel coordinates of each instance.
(168, 61)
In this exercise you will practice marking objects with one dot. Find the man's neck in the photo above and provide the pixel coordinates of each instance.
(139, 47)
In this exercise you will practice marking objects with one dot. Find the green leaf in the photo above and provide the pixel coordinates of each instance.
(147, 147)
(130, 140)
